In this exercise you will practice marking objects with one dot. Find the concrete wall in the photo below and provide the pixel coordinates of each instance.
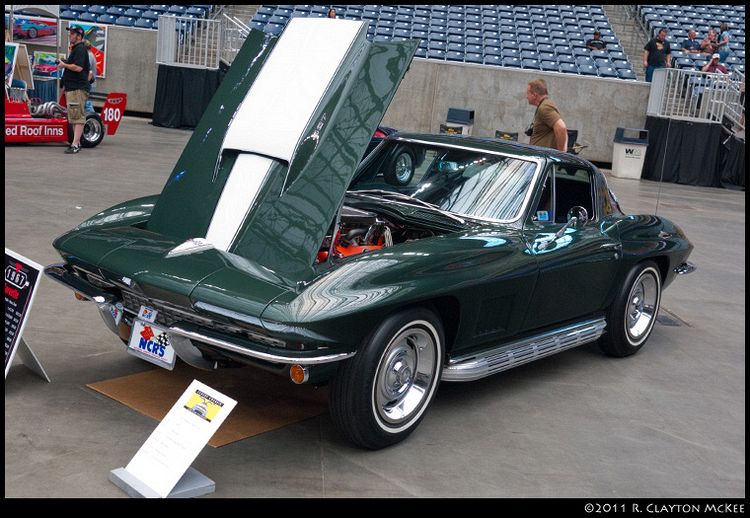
(593, 106)
(131, 66)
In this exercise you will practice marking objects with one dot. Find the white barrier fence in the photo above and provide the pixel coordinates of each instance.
(188, 42)
(696, 96)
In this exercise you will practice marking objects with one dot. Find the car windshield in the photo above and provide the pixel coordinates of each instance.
(466, 182)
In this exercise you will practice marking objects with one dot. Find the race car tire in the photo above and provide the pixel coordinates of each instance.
(93, 131)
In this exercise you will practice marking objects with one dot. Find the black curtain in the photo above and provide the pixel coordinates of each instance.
(692, 152)
(182, 95)
(733, 164)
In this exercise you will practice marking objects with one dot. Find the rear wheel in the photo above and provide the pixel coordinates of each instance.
(400, 168)
(93, 131)
(380, 396)
(632, 316)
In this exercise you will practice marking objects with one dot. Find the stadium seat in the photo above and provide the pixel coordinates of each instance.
(87, 17)
(473, 57)
(151, 15)
(125, 21)
(159, 8)
(493, 60)
(626, 74)
(143, 23)
(69, 15)
(511, 62)
(116, 11)
(530, 63)
(548, 66)
(587, 70)
(454, 56)
(106, 18)
(568, 68)
(607, 72)
(97, 9)
(436, 54)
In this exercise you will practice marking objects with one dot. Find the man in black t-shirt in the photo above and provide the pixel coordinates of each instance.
(596, 43)
(656, 54)
(75, 81)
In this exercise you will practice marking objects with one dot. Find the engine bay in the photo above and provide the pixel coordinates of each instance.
(360, 231)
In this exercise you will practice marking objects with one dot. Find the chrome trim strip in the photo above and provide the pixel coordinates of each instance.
(269, 357)
(685, 268)
(529, 192)
(506, 356)
(59, 273)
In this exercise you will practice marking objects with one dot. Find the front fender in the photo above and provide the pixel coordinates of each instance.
(129, 213)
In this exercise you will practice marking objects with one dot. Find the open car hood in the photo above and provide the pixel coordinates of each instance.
(268, 165)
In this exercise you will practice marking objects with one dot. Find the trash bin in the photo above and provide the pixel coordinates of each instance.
(629, 152)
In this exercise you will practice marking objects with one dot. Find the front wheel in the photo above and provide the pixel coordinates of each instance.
(93, 131)
(632, 316)
(379, 397)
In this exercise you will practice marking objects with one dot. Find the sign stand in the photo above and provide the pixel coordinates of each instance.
(21, 283)
(30, 360)
(161, 467)
(192, 484)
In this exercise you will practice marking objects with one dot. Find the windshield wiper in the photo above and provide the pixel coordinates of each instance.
(408, 199)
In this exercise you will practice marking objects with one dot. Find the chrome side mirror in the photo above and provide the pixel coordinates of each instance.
(578, 213)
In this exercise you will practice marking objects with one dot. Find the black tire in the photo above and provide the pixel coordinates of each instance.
(368, 394)
(93, 131)
(632, 316)
(400, 168)
(32, 33)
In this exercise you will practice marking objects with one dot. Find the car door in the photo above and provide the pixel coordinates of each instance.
(577, 262)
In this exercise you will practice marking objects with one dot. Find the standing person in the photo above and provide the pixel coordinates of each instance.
(548, 129)
(710, 43)
(724, 42)
(331, 13)
(656, 54)
(75, 81)
(691, 44)
(92, 76)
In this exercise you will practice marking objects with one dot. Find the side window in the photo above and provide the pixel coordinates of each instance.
(573, 187)
(545, 210)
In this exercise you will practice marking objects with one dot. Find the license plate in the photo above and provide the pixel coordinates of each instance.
(151, 342)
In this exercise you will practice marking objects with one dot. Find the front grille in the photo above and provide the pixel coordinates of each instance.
(167, 315)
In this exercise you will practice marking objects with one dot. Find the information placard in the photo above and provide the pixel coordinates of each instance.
(21, 281)
(173, 446)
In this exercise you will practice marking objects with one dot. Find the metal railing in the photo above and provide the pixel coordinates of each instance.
(694, 95)
(188, 42)
(233, 35)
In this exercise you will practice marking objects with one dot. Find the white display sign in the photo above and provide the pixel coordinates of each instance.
(180, 437)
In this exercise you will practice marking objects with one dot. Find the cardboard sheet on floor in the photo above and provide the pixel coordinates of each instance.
(264, 401)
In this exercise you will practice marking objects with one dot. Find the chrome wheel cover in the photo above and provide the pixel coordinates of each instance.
(642, 306)
(93, 130)
(403, 168)
(406, 376)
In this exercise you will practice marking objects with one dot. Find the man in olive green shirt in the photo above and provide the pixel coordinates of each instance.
(548, 128)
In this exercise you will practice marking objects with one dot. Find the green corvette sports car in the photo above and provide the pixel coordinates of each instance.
(273, 244)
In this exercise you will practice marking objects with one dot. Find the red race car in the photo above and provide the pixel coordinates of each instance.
(26, 121)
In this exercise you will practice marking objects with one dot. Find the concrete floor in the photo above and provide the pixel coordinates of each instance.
(668, 422)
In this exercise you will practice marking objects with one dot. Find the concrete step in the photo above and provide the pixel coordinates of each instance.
(631, 35)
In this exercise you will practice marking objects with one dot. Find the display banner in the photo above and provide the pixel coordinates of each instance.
(173, 446)
(34, 30)
(21, 281)
(11, 54)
